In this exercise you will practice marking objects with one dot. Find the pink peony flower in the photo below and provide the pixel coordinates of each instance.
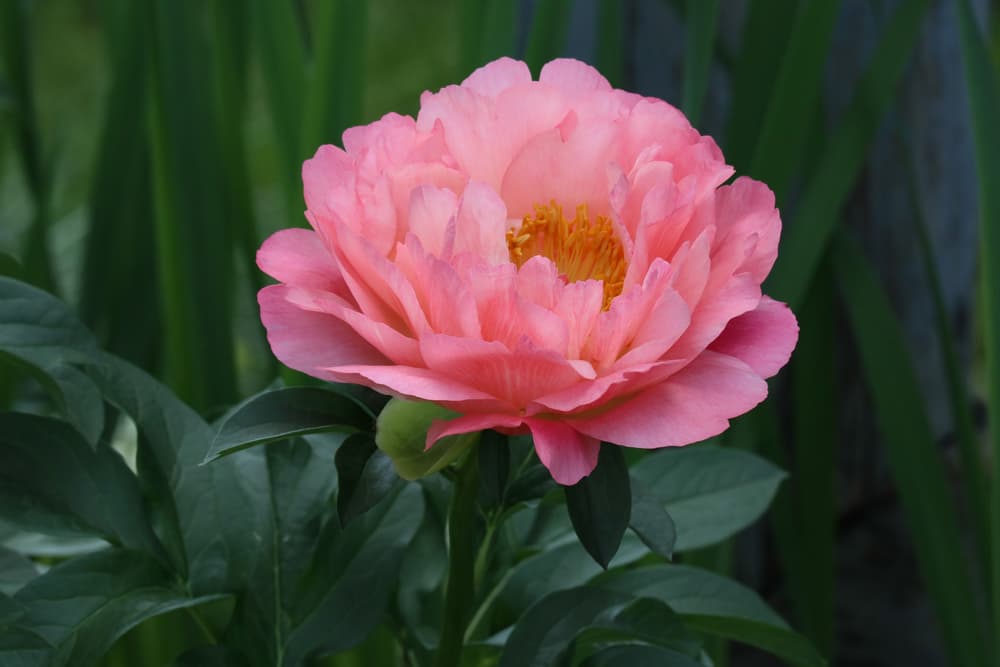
(552, 256)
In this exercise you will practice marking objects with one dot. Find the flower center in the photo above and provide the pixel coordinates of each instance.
(580, 248)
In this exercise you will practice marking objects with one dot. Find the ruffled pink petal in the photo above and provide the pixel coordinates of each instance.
(568, 454)
(514, 376)
(573, 76)
(329, 182)
(763, 338)
(432, 218)
(298, 257)
(589, 393)
(396, 347)
(693, 404)
(548, 168)
(443, 296)
(310, 341)
(506, 317)
(408, 382)
(379, 287)
(745, 212)
(493, 78)
(471, 424)
(481, 224)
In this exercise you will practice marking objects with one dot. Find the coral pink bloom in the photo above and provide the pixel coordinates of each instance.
(554, 257)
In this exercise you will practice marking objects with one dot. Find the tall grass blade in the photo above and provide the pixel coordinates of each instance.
(192, 241)
(805, 241)
(336, 92)
(610, 37)
(281, 52)
(121, 204)
(804, 514)
(984, 103)
(700, 38)
(913, 458)
(795, 97)
(15, 51)
(547, 38)
(965, 431)
(765, 38)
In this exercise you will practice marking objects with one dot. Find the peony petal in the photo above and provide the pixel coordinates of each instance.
(329, 182)
(514, 376)
(493, 78)
(573, 76)
(310, 341)
(409, 382)
(548, 169)
(471, 424)
(693, 404)
(396, 347)
(481, 224)
(298, 257)
(432, 218)
(568, 454)
(763, 338)
(443, 296)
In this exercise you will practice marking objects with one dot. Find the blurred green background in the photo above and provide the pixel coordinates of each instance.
(148, 147)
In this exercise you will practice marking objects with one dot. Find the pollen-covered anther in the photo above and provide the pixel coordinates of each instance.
(580, 248)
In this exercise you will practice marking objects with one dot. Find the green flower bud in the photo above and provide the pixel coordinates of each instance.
(401, 432)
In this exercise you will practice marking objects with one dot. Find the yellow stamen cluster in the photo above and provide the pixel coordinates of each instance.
(580, 249)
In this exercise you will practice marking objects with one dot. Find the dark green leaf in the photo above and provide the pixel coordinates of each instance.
(218, 511)
(85, 491)
(600, 505)
(545, 633)
(40, 334)
(639, 656)
(494, 467)
(215, 656)
(717, 605)
(10, 610)
(710, 492)
(365, 475)
(20, 647)
(83, 605)
(15, 571)
(343, 596)
(283, 413)
(651, 522)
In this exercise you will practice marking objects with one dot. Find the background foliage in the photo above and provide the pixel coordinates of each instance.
(146, 148)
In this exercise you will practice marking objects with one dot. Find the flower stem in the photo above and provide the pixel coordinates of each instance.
(460, 590)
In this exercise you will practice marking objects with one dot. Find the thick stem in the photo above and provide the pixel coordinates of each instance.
(460, 591)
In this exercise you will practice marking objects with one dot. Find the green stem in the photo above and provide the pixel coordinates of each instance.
(459, 594)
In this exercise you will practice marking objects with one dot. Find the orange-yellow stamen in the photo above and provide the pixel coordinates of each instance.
(580, 248)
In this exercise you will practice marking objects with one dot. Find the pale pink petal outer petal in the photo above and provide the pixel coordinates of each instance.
(493, 78)
(763, 338)
(573, 76)
(415, 383)
(514, 376)
(470, 424)
(568, 454)
(693, 404)
(310, 341)
(298, 257)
